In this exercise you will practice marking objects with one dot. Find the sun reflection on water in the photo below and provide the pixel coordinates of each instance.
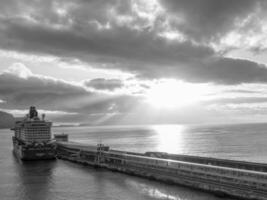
(170, 138)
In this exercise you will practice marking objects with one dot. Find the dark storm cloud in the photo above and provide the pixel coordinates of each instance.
(208, 19)
(104, 84)
(90, 32)
(115, 45)
(231, 71)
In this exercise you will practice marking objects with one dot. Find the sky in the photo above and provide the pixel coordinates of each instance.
(135, 61)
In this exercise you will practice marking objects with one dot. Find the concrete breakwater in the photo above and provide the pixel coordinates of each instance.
(224, 177)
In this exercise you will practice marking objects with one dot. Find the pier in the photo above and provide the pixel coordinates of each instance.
(244, 180)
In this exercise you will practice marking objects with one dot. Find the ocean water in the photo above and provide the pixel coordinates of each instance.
(62, 180)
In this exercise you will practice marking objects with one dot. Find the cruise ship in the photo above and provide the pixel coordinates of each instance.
(32, 139)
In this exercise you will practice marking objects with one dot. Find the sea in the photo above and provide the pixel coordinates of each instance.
(63, 180)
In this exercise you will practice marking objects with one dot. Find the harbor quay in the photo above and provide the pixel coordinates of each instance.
(243, 180)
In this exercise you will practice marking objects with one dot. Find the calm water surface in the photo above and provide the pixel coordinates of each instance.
(62, 180)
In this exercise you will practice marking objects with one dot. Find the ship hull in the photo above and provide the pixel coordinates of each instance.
(24, 152)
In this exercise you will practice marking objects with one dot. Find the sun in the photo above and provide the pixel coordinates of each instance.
(175, 94)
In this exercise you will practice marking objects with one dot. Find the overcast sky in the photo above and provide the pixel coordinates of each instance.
(135, 61)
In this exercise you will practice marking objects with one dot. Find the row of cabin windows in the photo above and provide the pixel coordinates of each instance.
(36, 136)
(36, 131)
(44, 136)
(39, 139)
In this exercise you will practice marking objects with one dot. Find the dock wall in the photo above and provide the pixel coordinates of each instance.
(223, 181)
(211, 161)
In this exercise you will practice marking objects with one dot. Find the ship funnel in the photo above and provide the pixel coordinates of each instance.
(43, 117)
(33, 112)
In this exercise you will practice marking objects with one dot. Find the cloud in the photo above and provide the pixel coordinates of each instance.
(208, 19)
(20, 70)
(67, 102)
(134, 36)
(230, 71)
(20, 91)
(104, 84)
(243, 91)
(239, 100)
(22, 113)
(49, 94)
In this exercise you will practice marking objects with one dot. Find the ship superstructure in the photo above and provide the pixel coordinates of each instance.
(32, 139)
